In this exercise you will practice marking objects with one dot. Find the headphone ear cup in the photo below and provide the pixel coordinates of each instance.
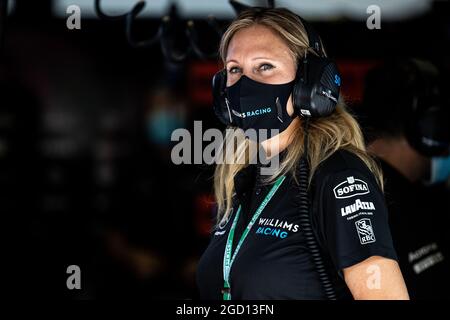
(219, 83)
(427, 128)
(428, 131)
(316, 90)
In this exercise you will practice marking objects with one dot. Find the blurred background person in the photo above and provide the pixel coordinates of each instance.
(407, 126)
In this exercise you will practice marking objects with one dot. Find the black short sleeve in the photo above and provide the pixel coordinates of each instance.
(353, 218)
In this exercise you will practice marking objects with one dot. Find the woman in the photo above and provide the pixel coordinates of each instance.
(259, 248)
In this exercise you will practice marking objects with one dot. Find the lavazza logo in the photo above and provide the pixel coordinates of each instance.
(357, 206)
(350, 187)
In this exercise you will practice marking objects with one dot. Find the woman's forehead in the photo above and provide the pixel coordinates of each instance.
(257, 41)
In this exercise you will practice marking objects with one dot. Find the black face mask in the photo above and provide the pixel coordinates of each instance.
(256, 105)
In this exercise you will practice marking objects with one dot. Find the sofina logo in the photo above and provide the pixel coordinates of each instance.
(350, 188)
(253, 113)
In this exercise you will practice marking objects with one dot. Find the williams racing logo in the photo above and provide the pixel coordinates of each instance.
(350, 188)
(365, 231)
(276, 228)
(253, 113)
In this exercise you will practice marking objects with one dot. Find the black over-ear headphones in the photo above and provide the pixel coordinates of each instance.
(427, 127)
(316, 88)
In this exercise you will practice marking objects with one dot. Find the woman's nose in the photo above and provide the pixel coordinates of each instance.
(235, 78)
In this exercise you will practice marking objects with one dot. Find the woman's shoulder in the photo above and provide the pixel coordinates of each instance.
(342, 161)
(345, 175)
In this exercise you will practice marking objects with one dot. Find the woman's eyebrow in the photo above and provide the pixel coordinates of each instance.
(256, 58)
(263, 58)
(231, 60)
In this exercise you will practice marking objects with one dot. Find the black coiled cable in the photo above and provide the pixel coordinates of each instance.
(305, 220)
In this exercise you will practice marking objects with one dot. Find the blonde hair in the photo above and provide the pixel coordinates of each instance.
(326, 135)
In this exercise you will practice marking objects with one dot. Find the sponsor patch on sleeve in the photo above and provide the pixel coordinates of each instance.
(350, 187)
(365, 231)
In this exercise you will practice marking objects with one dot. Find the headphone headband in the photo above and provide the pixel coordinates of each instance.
(314, 40)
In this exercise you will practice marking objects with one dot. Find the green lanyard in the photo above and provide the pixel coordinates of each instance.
(228, 257)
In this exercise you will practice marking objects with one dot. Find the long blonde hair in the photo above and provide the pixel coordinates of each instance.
(325, 135)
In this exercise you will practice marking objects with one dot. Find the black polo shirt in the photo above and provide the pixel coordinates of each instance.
(349, 218)
(418, 220)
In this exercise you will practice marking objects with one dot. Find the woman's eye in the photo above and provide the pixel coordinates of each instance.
(234, 70)
(265, 67)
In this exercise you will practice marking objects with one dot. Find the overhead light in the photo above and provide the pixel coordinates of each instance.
(309, 9)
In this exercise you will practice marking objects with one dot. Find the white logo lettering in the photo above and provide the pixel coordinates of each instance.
(253, 113)
(421, 252)
(358, 205)
(365, 231)
(350, 188)
(428, 262)
(278, 224)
